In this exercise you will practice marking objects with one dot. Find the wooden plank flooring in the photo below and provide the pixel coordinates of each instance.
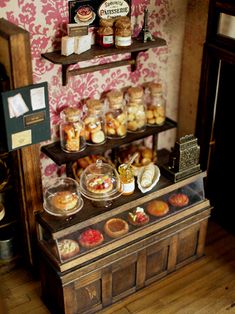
(206, 286)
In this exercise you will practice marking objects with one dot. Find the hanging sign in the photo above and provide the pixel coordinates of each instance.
(113, 8)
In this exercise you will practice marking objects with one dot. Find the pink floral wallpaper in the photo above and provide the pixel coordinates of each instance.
(46, 22)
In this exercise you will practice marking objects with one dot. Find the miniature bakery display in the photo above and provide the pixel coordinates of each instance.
(116, 227)
(62, 197)
(100, 183)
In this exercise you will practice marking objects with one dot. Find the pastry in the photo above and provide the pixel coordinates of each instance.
(138, 217)
(100, 184)
(178, 200)
(157, 208)
(68, 248)
(116, 227)
(90, 238)
(147, 176)
(64, 200)
(84, 13)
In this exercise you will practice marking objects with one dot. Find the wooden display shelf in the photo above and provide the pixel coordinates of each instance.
(99, 52)
(60, 157)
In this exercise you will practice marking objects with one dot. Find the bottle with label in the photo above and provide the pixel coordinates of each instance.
(105, 36)
(127, 179)
(72, 135)
(122, 32)
(116, 116)
(155, 113)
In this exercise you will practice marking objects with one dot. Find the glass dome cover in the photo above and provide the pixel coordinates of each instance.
(100, 181)
(62, 197)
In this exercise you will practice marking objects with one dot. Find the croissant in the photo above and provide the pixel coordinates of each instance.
(147, 176)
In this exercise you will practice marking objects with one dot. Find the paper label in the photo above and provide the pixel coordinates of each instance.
(37, 96)
(21, 139)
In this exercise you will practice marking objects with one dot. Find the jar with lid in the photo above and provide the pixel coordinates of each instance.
(122, 32)
(105, 36)
(72, 135)
(116, 115)
(155, 102)
(94, 122)
(136, 116)
(127, 179)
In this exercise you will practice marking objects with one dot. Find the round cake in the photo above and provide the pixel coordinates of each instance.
(90, 238)
(116, 227)
(157, 208)
(68, 248)
(179, 200)
(138, 217)
(100, 184)
(64, 200)
(84, 13)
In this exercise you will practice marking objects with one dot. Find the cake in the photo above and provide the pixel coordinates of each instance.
(138, 217)
(84, 13)
(64, 200)
(178, 200)
(90, 238)
(116, 227)
(68, 248)
(100, 184)
(157, 208)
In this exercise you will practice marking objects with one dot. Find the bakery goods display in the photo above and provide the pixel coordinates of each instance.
(138, 217)
(68, 248)
(178, 200)
(116, 227)
(157, 208)
(64, 200)
(90, 238)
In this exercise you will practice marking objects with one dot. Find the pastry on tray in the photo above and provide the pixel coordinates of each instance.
(64, 201)
(157, 208)
(68, 248)
(178, 200)
(90, 238)
(138, 217)
(116, 227)
(100, 184)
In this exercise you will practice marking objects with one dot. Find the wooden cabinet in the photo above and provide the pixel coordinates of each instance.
(93, 279)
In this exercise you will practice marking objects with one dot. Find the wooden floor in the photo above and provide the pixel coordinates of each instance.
(204, 287)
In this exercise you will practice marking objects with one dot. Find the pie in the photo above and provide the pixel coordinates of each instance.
(116, 227)
(157, 208)
(100, 184)
(178, 200)
(138, 217)
(68, 248)
(90, 238)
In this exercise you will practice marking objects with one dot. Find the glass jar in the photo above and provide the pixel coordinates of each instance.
(116, 116)
(156, 111)
(122, 32)
(72, 135)
(136, 116)
(94, 122)
(105, 37)
(127, 179)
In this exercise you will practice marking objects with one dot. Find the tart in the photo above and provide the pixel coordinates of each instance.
(157, 208)
(138, 217)
(84, 13)
(90, 238)
(100, 184)
(64, 200)
(116, 227)
(68, 248)
(178, 200)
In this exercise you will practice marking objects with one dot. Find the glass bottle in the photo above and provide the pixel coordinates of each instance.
(105, 37)
(95, 122)
(127, 179)
(122, 32)
(136, 116)
(116, 115)
(156, 112)
(72, 135)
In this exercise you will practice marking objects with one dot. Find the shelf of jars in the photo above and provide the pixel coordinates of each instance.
(60, 157)
(99, 52)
